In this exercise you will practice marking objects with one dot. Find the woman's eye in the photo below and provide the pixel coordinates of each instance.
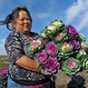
(22, 19)
(28, 18)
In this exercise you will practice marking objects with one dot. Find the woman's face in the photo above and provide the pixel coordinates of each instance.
(23, 22)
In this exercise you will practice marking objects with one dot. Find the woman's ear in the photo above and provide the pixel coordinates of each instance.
(13, 24)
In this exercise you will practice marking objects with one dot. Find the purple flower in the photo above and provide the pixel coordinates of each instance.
(74, 43)
(72, 32)
(51, 48)
(42, 56)
(52, 65)
(4, 73)
(42, 40)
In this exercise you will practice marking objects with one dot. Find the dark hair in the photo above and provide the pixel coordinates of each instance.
(11, 17)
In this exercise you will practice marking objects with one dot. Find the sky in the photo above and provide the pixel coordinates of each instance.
(73, 12)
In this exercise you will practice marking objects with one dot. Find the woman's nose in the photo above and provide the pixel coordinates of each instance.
(25, 20)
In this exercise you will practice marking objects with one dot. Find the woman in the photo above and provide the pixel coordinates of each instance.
(23, 70)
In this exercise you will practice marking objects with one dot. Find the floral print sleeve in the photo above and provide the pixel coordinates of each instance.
(14, 47)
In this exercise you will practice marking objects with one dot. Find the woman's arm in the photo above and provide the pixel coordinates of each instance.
(16, 54)
(27, 63)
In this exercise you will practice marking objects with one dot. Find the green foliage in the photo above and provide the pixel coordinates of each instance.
(3, 60)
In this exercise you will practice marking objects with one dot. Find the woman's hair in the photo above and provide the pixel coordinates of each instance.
(11, 17)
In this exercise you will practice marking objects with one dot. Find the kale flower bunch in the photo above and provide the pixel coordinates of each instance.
(45, 55)
(63, 37)
(79, 52)
(71, 66)
(63, 44)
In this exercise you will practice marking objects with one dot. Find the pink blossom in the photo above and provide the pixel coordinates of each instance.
(42, 56)
(51, 48)
(35, 44)
(71, 64)
(52, 65)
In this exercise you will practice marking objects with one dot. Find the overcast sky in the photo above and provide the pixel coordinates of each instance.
(73, 12)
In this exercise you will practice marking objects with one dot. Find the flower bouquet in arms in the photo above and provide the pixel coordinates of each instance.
(61, 46)
(45, 55)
